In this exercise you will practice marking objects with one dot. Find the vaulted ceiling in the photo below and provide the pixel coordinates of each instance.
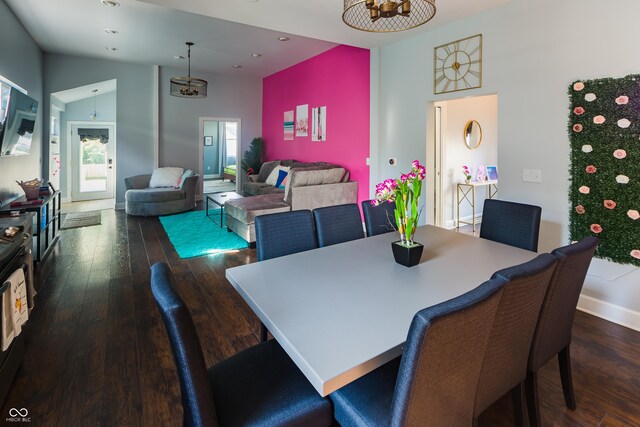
(225, 33)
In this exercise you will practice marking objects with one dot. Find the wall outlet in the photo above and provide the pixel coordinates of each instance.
(367, 161)
(531, 175)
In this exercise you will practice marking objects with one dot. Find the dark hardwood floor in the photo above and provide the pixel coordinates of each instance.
(97, 353)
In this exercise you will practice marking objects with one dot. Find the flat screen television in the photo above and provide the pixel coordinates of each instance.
(17, 121)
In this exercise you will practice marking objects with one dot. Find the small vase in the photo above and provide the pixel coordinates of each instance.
(408, 256)
(466, 181)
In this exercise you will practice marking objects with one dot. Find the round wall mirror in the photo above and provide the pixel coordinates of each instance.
(472, 134)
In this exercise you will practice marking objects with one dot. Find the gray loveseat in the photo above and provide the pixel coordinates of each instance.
(140, 200)
(307, 187)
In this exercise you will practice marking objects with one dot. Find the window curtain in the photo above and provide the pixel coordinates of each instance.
(93, 134)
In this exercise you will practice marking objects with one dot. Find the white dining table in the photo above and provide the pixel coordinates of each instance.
(344, 310)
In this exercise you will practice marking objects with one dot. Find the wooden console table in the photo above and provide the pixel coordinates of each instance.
(47, 224)
(467, 190)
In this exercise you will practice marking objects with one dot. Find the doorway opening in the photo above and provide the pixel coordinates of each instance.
(219, 154)
(82, 146)
(448, 151)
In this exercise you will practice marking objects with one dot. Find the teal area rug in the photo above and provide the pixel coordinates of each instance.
(193, 234)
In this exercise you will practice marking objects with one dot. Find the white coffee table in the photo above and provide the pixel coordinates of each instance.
(219, 199)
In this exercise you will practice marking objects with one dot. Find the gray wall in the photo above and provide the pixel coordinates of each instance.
(80, 111)
(532, 52)
(20, 62)
(135, 106)
(228, 97)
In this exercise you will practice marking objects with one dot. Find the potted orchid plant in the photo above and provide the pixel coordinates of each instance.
(467, 173)
(405, 192)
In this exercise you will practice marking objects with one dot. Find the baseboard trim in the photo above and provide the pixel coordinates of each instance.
(611, 312)
(119, 206)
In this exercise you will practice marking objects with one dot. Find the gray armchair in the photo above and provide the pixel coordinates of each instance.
(140, 200)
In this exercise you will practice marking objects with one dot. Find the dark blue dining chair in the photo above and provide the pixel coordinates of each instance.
(284, 233)
(515, 224)
(258, 386)
(281, 234)
(504, 367)
(553, 331)
(434, 382)
(338, 224)
(379, 219)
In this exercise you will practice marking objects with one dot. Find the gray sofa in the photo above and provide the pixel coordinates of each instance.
(140, 200)
(256, 185)
(307, 187)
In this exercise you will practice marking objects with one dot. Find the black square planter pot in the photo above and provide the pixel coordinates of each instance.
(407, 256)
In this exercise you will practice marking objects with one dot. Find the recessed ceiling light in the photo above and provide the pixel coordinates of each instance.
(111, 31)
(256, 55)
(110, 3)
(113, 49)
(283, 39)
(237, 66)
(178, 57)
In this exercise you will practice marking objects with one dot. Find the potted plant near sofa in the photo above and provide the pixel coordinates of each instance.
(252, 158)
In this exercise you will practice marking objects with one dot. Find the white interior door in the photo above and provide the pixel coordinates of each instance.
(92, 163)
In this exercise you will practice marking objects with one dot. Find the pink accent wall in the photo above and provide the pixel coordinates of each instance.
(339, 80)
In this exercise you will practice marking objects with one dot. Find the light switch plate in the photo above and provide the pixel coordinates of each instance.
(531, 175)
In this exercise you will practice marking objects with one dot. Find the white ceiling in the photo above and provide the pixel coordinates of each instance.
(82, 92)
(225, 32)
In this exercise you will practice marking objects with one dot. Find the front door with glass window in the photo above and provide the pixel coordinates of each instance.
(93, 161)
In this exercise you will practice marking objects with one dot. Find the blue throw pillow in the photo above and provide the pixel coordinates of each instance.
(282, 179)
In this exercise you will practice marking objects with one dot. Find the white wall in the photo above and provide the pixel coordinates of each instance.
(455, 115)
(136, 127)
(227, 97)
(20, 62)
(532, 52)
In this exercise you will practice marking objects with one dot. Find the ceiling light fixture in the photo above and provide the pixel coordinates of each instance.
(384, 16)
(188, 87)
(178, 57)
(94, 115)
(284, 39)
(110, 3)
(256, 55)
(237, 66)
(110, 31)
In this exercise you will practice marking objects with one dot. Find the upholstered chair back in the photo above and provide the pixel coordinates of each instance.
(505, 361)
(284, 233)
(511, 223)
(197, 396)
(379, 219)
(338, 224)
(553, 332)
(442, 357)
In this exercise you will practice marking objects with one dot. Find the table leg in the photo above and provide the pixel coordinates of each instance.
(473, 208)
(458, 200)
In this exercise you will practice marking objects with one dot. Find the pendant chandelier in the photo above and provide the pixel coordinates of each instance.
(94, 115)
(188, 87)
(384, 16)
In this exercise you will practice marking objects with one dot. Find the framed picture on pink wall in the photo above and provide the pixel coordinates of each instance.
(302, 120)
(319, 124)
(288, 125)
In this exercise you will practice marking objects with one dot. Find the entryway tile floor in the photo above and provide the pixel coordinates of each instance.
(89, 205)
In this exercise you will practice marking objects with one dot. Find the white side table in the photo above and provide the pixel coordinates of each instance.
(467, 192)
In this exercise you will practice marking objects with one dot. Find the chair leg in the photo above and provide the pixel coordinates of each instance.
(564, 362)
(263, 332)
(517, 394)
(533, 405)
